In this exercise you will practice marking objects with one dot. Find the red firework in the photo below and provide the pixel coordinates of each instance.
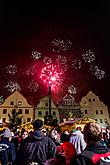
(51, 76)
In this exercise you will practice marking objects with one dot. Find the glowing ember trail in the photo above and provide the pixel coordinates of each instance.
(52, 76)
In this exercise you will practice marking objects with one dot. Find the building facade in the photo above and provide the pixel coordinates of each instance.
(16, 101)
(42, 109)
(68, 108)
(92, 107)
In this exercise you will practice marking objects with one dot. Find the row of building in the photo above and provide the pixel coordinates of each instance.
(90, 106)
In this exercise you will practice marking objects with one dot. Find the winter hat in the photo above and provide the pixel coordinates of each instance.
(38, 124)
(7, 133)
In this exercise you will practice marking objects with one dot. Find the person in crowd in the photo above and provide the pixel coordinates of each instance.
(96, 151)
(37, 148)
(77, 139)
(55, 136)
(64, 154)
(7, 149)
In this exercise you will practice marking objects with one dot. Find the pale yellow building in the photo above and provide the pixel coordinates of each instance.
(92, 107)
(18, 102)
(42, 109)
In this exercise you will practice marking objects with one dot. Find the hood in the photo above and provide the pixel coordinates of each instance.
(38, 135)
(98, 148)
(76, 132)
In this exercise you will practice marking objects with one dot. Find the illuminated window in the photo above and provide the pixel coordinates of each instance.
(4, 111)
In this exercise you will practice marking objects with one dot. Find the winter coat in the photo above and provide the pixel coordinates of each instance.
(77, 139)
(98, 148)
(37, 148)
(10, 152)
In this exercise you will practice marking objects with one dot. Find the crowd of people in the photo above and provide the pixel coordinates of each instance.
(43, 147)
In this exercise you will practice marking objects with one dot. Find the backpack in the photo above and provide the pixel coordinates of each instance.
(97, 159)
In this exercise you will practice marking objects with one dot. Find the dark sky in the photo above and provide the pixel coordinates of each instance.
(31, 25)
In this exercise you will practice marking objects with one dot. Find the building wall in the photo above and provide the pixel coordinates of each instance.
(42, 109)
(18, 102)
(92, 107)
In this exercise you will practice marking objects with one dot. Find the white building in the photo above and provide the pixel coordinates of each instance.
(93, 108)
(18, 102)
(42, 109)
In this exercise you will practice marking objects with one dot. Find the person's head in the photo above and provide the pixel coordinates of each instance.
(65, 153)
(92, 133)
(7, 134)
(38, 124)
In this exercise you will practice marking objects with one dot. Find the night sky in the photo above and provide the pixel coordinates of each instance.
(28, 26)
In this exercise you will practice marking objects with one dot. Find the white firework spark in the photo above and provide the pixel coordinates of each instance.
(88, 56)
(72, 89)
(61, 45)
(11, 69)
(76, 64)
(98, 73)
(36, 55)
(47, 60)
(61, 59)
(33, 86)
(12, 86)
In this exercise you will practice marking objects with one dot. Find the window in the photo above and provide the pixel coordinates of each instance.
(54, 113)
(93, 99)
(101, 112)
(86, 111)
(4, 111)
(20, 111)
(26, 111)
(46, 113)
(89, 100)
(96, 112)
(46, 104)
(3, 120)
(28, 119)
(19, 102)
(101, 121)
(39, 113)
(12, 103)
(69, 103)
(95, 119)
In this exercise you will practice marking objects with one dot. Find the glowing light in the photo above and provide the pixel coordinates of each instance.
(61, 45)
(98, 73)
(52, 75)
(72, 89)
(76, 64)
(33, 86)
(36, 55)
(12, 86)
(47, 60)
(88, 56)
(11, 69)
(61, 59)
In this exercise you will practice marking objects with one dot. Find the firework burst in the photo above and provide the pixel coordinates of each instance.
(36, 55)
(12, 86)
(88, 56)
(52, 76)
(72, 89)
(33, 86)
(11, 69)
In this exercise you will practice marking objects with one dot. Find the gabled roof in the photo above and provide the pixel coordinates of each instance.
(68, 97)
